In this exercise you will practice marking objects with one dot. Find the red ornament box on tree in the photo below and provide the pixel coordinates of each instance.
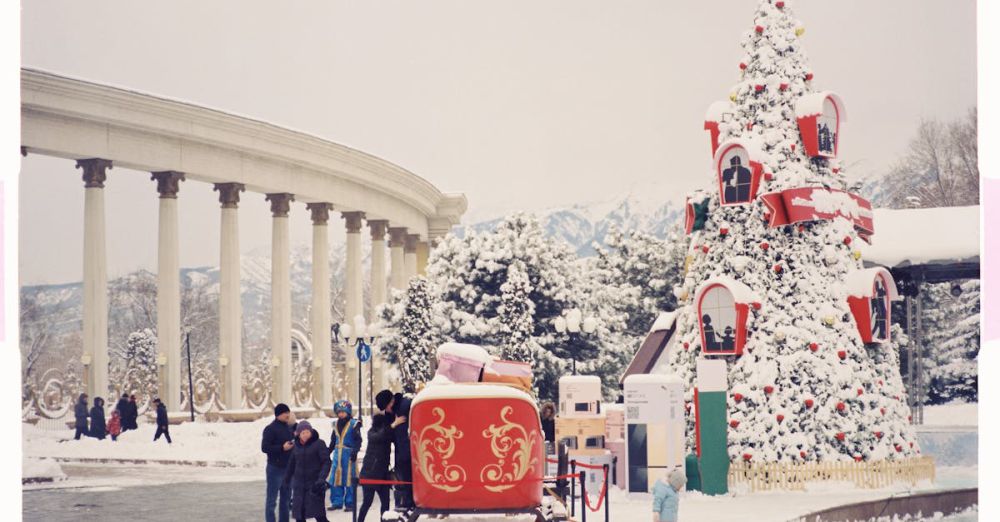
(476, 446)
(739, 169)
(819, 116)
(723, 309)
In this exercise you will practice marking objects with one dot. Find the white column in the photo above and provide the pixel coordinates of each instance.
(95, 277)
(281, 298)
(230, 309)
(423, 254)
(353, 281)
(168, 287)
(319, 321)
(410, 256)
(397, 239)
(378, 229)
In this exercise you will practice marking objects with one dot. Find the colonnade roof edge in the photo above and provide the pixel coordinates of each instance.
(74, 118)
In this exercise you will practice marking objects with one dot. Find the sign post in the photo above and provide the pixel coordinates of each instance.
(710, 426)
(364, 353)
(654, 416)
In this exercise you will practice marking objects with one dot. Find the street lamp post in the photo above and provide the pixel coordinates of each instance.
(575, 326)
(361, 336)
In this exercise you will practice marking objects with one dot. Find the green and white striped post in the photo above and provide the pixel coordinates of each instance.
(710, 426)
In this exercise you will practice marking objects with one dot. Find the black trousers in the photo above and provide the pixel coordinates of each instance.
(368, 496)
(162, 430)
(81, 432)
(317, 519)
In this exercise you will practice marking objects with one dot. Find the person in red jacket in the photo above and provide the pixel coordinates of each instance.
(115, 425)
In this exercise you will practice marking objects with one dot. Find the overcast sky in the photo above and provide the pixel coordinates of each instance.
(518, 104)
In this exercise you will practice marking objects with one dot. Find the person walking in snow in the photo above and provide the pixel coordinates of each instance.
(375, 465)
(122, 403)
(115, 425)
(548, 418)
(665, 496)
(98, 428)
(277, 442)
(130, 415)
(308, 467)
(345, 442)
(80, 413)
(162, 421)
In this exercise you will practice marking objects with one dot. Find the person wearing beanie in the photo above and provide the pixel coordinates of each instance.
(345, 443)
(308, 467)
(162, 421)
(665, 496)
(277, 442)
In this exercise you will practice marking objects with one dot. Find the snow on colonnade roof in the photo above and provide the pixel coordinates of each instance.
(917, 236)
(472, 391)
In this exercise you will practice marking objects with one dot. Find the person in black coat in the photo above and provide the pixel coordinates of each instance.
(130, 415)
(400, 408)
(80, 413)
(548, 418)
(308, 467)
(162, 421)
(277, 442)
(375, 465)
(98, 427)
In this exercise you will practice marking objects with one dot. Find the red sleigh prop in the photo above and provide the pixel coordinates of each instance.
(476, 446)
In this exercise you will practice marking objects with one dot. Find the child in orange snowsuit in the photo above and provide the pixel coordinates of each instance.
(115, 425)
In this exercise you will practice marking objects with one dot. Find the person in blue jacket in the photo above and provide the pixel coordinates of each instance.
(666, 498)
(345, 442)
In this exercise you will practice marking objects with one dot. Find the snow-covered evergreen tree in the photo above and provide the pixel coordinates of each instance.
(644, 269)
(951, 345)
(417, 336)
(138, 364)
(806, 387)
(516, 316)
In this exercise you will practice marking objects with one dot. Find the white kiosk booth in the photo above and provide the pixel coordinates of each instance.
(654, 416)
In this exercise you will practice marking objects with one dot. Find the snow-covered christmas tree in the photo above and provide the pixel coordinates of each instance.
(773, 283)
(417, 338)
(516, 316)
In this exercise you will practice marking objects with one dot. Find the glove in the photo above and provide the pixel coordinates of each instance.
(319, 487)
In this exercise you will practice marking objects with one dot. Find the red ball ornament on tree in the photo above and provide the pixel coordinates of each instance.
(756, 305)
(747, 457)
(783, 86)
(802, 228)
(723, 231)
(780, 418)
(911, 444)
(841, 406)
(765, 245)
(842, 354)
(802, 454)
(793, 147)
(813, 347)
(857, 458)
(899, 449)
(809, 76)
(734, 423)
(847, 240)
(768, 176)
(777, 269)
(860, 392)
(743, 66)
(769, 389)
(737, 397)
(878, 435)
(750, 125)
(841, 436)
(779, 4)
(758, 88)
(704, 249)
(809, 403)
(759, 29)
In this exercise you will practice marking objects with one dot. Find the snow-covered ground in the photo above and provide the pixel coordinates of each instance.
(230, 452)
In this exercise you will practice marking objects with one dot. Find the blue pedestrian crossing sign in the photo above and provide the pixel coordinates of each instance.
(364, 352)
